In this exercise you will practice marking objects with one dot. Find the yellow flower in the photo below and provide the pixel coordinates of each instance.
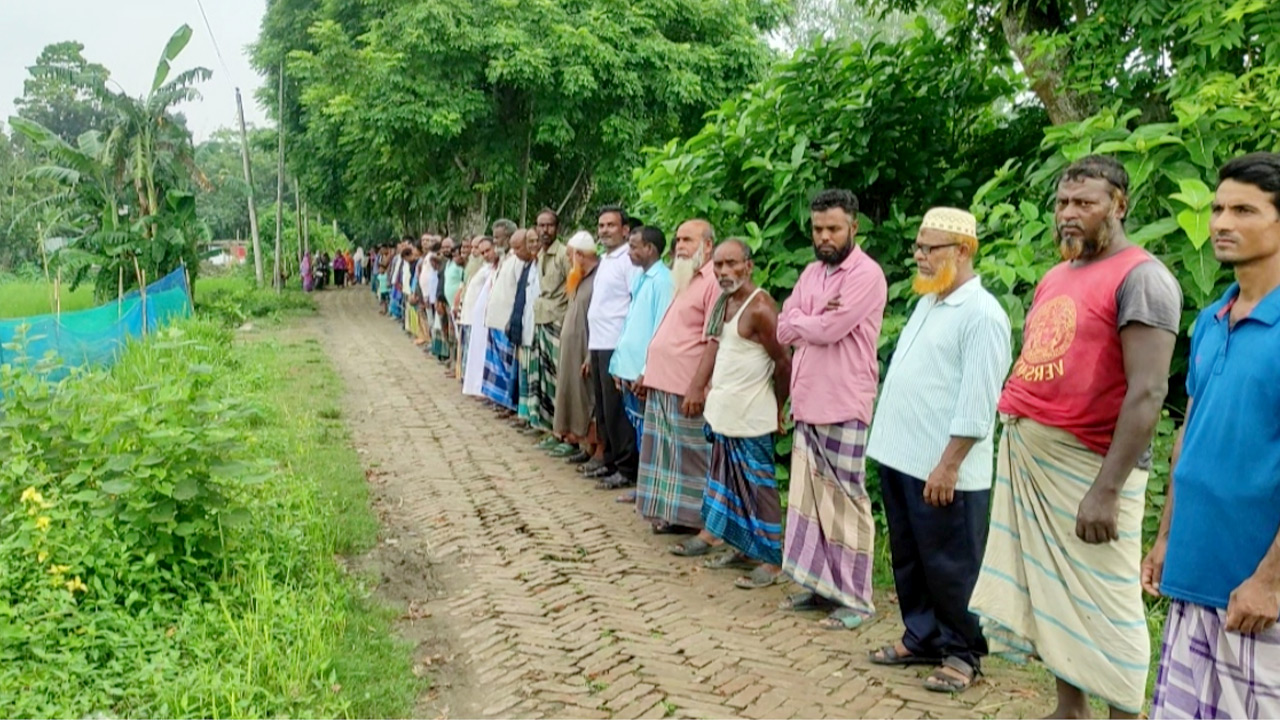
(31, 495)
(42, 556)
(42, 523)
(58, 569)
(74, 585)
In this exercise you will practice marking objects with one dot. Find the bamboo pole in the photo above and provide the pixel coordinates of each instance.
(278, 280)
(142, 290)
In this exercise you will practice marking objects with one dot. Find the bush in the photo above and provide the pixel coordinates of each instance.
(155, 560)
(234, 300)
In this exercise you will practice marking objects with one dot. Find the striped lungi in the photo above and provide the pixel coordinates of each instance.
(742, 505)
(674, 457)
(546, 342)
(499, 370)
(464, 339)
(1207, 672)
(527, 401)
(1043, 591)
(830, 530)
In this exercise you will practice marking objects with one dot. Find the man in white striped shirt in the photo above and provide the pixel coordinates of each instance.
(932, 438)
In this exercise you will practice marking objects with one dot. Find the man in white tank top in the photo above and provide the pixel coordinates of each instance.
(749, 385)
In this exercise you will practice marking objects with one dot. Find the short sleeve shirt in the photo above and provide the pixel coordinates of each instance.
(1226, 486)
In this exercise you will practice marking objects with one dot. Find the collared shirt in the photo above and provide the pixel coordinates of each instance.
(553, 300)
(1226, 486)
(943, 382)
(835, 368)
(453, 279)
(610, 298)
(502, 296)
(651, 296)
(681, 339)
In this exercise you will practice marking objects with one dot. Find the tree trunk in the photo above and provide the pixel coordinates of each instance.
(524, 185)
(1021, 21)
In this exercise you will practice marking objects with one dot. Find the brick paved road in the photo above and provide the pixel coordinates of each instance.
(544, 598)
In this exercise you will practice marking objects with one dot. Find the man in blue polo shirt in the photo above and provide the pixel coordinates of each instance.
(1218, 552)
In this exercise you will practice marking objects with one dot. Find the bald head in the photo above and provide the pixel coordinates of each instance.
(694, 240)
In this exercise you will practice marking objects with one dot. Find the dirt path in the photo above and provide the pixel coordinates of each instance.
(530, 594)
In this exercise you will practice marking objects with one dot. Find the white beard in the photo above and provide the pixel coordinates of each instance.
(684, 269)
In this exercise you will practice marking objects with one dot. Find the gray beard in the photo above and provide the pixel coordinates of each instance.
(684, 269)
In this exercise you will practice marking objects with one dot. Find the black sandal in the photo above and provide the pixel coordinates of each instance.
(888, 655)
(939, 681)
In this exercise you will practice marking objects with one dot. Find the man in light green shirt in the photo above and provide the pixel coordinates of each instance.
(932, 438)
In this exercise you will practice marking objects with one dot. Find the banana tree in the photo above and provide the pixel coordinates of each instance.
(128, 184)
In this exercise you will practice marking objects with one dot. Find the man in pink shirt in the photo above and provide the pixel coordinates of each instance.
(832, 319)
(674, 452)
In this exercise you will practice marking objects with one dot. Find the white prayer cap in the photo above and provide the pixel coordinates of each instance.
(951, 220)
(583, 242)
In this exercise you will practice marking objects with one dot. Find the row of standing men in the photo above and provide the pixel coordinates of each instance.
(671, 383)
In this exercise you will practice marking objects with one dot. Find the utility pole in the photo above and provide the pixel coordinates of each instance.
(248, 180)
(278, 280)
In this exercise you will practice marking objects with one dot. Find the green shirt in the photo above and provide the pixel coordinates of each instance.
(553, 300)
(453, 276)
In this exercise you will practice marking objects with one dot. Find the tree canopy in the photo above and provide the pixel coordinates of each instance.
(443, 112)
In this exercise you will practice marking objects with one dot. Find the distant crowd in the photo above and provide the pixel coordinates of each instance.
(667, 381)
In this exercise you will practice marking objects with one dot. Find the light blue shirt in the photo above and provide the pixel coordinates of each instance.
(651, 295)
(944, 381)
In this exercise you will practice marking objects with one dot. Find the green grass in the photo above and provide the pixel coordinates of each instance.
(268, 626)
(24, 299)
(369, 668)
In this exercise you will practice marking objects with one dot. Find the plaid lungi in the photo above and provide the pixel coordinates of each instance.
(830, 530)
(742, 505)
(1207, 672)
(500, 370)
(527, 402)
(674, 457)
(464, 339)
(543, 374)
(635, 412)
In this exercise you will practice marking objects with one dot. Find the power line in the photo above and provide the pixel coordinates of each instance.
(212, 38)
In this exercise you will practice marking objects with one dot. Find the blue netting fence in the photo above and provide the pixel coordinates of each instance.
(97, 336)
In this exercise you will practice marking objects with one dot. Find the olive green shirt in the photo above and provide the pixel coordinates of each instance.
(553, 300)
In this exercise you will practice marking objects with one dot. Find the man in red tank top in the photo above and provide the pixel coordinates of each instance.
(1060, 575)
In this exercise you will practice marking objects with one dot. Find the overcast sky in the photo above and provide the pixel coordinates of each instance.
(127, 36)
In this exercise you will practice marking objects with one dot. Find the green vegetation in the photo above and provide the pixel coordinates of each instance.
(21, 298)
(234, 299)
(443, 112)
(170, 539)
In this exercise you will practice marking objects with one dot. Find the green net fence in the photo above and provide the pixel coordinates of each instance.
(96, 336)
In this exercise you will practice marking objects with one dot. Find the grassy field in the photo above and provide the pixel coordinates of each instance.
(23, 299)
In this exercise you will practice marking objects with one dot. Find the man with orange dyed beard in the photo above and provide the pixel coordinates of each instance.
(932, 437)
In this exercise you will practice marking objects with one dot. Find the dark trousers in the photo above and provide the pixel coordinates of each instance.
(937, 553)
(611, 419)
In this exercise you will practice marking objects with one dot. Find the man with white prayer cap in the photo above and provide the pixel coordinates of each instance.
(932, 438)
(575, 396)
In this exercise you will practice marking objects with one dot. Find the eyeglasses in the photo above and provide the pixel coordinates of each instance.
(927, 249)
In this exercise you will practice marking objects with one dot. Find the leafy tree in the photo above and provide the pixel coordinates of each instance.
(443, 112)
(64, 92)
(222, 201)
(125, 192)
